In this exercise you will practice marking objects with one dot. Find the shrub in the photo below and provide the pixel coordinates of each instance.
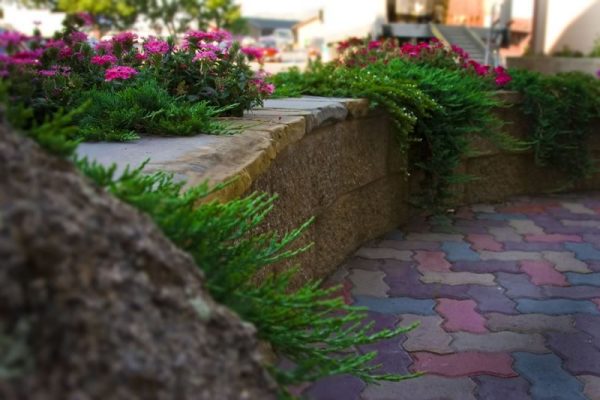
(562, 107)
(143, 107)
(435, 96)
(206, 68)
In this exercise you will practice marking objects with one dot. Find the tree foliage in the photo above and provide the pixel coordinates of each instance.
(175, 15)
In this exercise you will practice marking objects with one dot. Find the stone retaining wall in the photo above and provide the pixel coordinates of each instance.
(333, 159)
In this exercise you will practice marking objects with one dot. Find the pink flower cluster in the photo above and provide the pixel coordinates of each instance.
(359, 53)
(262, 85)
(125, 38)
(156, 46)
(253, 53)
(12, 39)
(106, 59)
(119, 72)
(86, 18)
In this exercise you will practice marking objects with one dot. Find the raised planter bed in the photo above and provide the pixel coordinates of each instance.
(333, 159)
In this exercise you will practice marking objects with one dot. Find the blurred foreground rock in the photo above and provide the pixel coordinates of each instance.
(95, 303)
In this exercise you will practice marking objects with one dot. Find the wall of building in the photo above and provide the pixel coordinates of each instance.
(560, 23)
(309, 32)
(343, 19)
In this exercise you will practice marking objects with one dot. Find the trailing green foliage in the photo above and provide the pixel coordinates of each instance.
(144, 107)
(401, 98)
(562, 107)
(310, 326)
(434, 110)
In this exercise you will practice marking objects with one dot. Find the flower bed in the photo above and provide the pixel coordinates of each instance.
(207, 74)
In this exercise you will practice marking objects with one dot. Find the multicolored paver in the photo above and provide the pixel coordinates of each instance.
(508, 297)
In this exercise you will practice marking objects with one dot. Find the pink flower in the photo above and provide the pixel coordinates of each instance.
(374, 44)
(78, 37)
(104, 59)
(140, 56)
(65, 52)
(263, 87)
(196, 36)
(205, 55)
(221, 35)
(502, 76)
(125, 38)
(86, 18)
(47, 72)
(55, 44)
(11, 38)
(479, 69)
(253, 52)
(104, 46)
(119, 72)
(156, 46)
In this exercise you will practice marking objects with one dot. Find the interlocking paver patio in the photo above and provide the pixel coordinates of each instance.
(508, 297)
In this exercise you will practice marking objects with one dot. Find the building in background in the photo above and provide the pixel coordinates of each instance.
(26, 20)
(561, 24)
(258, 27)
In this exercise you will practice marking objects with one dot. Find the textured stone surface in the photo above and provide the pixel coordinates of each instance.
(368, 283)
(428, 387)
(458, 278)
(530, 323)
(548, 379)
(591, 386)
(382, 253)
(460, 315)
(432, 261)
(396, 305)
(464, 364)
(112, 309)
(581, 356)
(498, 342)
(526, 227)
(335, 387)
(428, 336)
(484, 242)
(565, 262)
(556, 306)
(543, 273)
(517, 307)
(493, 388)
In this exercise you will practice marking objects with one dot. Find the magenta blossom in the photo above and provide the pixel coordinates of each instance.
(86, 18)
(119, 72)
(125, 38)
(502, 76)
(105, 46)
(140, 56)
(374, 44)
(253, 52)
(47, 72)
(156, 46)
(205, 55)
(65, 52)
(78, 37)
(11, 38)
(55, 44)
(106, 59)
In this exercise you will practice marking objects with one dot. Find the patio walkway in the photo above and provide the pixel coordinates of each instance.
(508, 297)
